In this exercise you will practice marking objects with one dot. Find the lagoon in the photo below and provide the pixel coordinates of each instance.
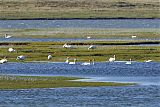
(146, 93)
(108, 23)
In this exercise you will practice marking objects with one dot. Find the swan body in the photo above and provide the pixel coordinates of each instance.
(86, 63)
(7, 36)
(11, 50)
(88, 37)
(92, 47)
(67, 60)
(112, 59)
(3, 61)
(73, 63)
(67, 46)
(49, 57)
(89, 63)
(134, 36)
(21, 57)
(148, 61)
(128, 62)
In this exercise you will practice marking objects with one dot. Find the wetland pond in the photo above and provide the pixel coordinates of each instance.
(146, 93)
(146, 75)
(110, 23)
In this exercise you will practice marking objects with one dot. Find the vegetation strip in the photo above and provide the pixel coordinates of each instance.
(26, 82)
(32, 9)
(38, 51)
(83, 33)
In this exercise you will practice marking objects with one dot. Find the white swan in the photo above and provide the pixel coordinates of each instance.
(129, 62)
(67, 60)
(89, 63)
(7, 36)
(21, 57)
(112, 59)
(92, 47)
(11, 50)
(49, 57)
(134, 36)
(4, 60)
(148, 61)
(73, 63)
(88, 37)
(67, 46)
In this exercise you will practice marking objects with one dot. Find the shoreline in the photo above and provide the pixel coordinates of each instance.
(118, 18)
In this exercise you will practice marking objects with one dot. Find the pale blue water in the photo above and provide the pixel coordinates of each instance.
(111, 23)
(73, 39)
(146, 94)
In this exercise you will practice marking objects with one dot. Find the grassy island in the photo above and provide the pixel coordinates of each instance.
(124, 50)
(26, 82)
(38, 51)
(82, 33)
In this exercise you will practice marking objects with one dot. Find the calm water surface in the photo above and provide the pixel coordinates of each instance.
(74, 39)
(146, 94)
(112, 23)
(147, 75)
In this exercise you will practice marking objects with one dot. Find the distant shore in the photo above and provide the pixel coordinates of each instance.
(120, 18)
(78, 9)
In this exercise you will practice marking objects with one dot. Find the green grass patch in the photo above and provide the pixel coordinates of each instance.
(38, 51)
(81, 33)
(27, 82)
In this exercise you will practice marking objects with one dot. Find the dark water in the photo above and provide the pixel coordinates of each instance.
(136, 96)
(146, 94)
(112, 23)
(99, 69)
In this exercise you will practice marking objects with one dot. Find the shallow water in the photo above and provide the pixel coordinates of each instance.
(13, 39)
(132, 96)
(99, 69)
(112, 23)
(146, 94)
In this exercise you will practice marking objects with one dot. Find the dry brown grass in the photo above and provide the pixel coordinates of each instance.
(79, 8)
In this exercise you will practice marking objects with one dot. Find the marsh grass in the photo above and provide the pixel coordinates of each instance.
(15, 9)
(38, 51)
(26, 82)
(81, 33)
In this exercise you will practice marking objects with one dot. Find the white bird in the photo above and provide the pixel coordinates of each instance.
(7, 36)
(129, 62)
(112, 59)
(67, 46)
(67, 60)
(88, 63)
(49, 57)
(11, 50)
(73, 63)
(21, 57)
(92, 47)
(148, 61)
(134, 36)
(4, 60)
(88, 37)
